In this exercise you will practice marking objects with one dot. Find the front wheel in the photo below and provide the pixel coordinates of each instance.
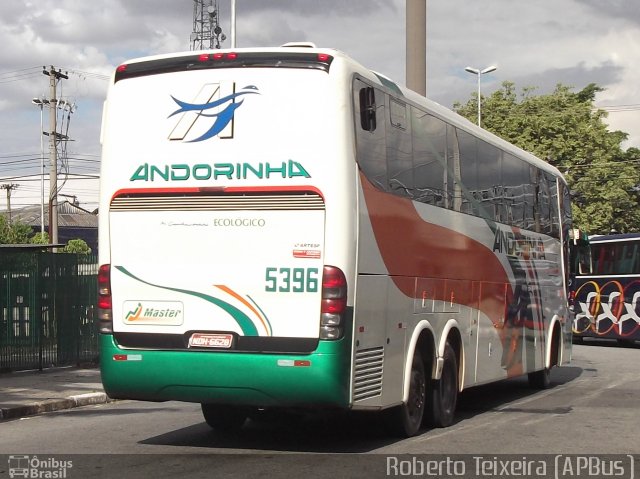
(225, 418)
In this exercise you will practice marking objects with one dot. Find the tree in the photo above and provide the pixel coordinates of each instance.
(14, 232)
(77, 246)
(20, 233)
(565, 129)
(40, 238)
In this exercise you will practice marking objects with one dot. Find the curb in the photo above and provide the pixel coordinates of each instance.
(51, 405)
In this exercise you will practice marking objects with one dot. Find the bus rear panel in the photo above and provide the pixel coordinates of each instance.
(217, 285)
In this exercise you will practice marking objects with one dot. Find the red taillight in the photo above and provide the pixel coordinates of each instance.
(323, 57)
(104, 299)
(203, 57)
(121, 68)
(223, 56)
(334, 283)
(333, 306)
(334, 303)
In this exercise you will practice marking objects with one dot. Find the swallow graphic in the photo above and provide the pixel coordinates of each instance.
(222, 118)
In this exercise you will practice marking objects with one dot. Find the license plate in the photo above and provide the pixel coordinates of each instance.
(207, 340)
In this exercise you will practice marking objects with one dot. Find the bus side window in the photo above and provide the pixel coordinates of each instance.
(429, 138)
(368, 109)
(554, 218)
(399, 150)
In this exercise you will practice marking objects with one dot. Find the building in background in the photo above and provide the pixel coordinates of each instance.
(74, 222)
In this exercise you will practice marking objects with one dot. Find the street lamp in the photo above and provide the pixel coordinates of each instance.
(41, 103)
(479, 72)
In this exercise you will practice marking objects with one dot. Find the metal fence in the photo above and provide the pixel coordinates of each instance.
(47, 315)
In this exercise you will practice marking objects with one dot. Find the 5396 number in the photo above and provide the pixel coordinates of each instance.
(291, 280)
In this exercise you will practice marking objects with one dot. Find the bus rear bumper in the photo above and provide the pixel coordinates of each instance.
(262, 380)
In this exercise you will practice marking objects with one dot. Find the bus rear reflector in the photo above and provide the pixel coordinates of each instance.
(127, 357)
(334, 303)
(297, 363)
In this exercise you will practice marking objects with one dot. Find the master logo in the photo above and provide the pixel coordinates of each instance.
(164, 313)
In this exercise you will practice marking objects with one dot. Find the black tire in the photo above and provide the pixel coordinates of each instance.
(540, 379)
(224, 418)
(406, 420)
(444, 392)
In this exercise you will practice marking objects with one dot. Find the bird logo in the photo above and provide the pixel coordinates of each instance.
(220, 110)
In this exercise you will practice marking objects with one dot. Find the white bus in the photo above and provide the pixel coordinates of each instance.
(283, 228)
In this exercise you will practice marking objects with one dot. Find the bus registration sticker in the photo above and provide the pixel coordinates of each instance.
(206, 340)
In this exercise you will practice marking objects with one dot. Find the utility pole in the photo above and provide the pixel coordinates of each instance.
(416, 41)
(233, 23)
(9, 187)
(41, 102)
(54, 77)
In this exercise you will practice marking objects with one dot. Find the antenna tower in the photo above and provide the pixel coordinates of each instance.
(207, 33)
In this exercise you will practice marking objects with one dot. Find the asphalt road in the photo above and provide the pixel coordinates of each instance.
(592, 408)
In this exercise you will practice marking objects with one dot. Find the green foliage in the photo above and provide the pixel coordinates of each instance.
(565, 129)
(77, 246)
(20, 233)
(14, 232)
(40, 238)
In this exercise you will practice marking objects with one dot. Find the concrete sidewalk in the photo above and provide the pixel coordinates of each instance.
(33, 392)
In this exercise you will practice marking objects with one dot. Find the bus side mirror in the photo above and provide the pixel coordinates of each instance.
(368, 109)
(580, 252)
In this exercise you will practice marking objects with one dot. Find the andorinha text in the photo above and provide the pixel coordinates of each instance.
(520, 245)
(229, 171)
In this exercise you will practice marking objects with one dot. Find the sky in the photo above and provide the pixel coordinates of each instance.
(532, 43)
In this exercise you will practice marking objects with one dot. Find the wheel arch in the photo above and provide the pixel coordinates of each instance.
(423, 339)
(452, 334)
(554, 347)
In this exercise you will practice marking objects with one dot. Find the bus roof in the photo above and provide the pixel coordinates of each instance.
(614, 237)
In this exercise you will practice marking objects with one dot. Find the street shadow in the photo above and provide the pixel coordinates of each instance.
(327, 432)
(497, 396)
(352, 432)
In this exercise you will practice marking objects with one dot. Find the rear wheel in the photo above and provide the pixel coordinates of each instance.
(444, 393)
(406, 420)
(542, 379)
(225, 418)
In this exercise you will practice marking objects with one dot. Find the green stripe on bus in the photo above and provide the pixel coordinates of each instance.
(245, 323)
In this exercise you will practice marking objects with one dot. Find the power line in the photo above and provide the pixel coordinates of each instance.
(20, 70)
(84, 74)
